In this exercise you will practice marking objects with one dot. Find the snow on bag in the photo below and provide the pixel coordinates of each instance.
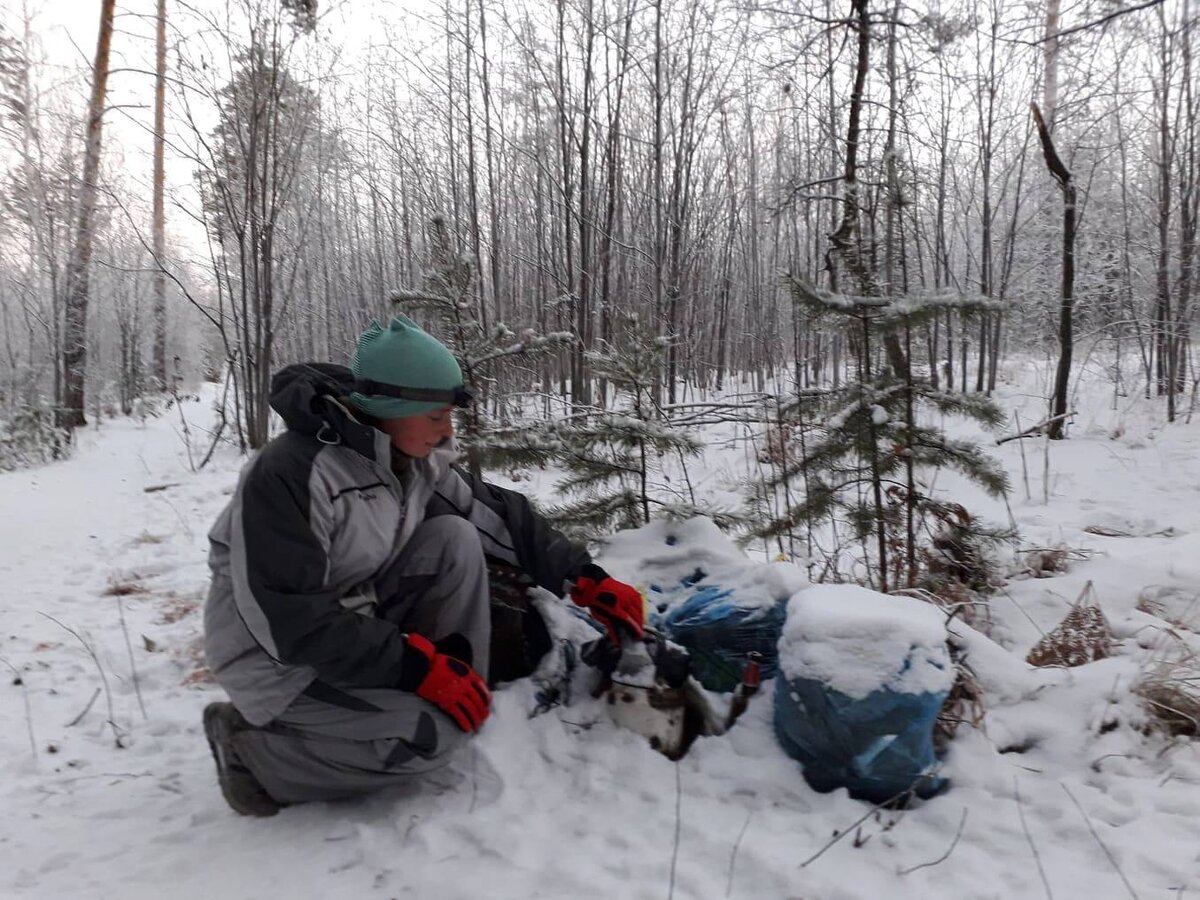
(706, 596)
(719, 627)
(862, 678)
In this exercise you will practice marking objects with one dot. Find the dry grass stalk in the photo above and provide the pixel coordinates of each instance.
(1170, 691)
(963, 705)
(1151, 606)
(19, 681)
(177, 608)
(779, 446)
(1046, 561)
(202, 675)
(1183, 613)
(124, 588)
(1083, 636)
(969, 606)
(194, 663)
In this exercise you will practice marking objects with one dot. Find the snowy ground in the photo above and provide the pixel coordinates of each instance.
(1060, 794)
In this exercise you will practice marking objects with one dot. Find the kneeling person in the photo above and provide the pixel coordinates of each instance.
(348, 616)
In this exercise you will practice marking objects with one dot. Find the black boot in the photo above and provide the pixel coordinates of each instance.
(238, 784)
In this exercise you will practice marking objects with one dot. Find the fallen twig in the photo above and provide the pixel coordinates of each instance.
(1112, 859)
(944, 856)
(187, 434)
(220, 429)
(1046, 470)
(1105, 531)
(187, 529)
(1028, 837)
(1024, 464)
(79, 718)
(118, 733)
(1034, 430)
(678, 822)
(733, 855)
(137, 686)
(19, 680)
(845, 831)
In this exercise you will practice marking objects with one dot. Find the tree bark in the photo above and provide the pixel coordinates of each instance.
(472, 168)
(660, 254)
(75, 325)
(1164, 330)
(495, 251)
(1066, 314)
(613, 165)
(580, 378)
(845, 240)
(1050, 64)
(1189, 201)
(159, 223)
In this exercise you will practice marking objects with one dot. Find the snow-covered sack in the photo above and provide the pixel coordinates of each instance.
(720, 627)
(706, 596)
(862, 678)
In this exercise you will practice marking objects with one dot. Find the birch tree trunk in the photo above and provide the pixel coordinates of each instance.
(580, 378)
(1189, 195)
(495, 244)
(1164, 343)
(472, 168)
(660, 254)
(613, 165)
(1050, 65)
(159, 222)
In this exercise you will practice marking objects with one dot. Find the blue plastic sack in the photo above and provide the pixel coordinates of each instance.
(879, 746)
(719, 634)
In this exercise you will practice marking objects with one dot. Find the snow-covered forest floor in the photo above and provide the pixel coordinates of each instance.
(1060, 793)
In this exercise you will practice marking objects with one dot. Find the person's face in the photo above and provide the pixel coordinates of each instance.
(417, 435)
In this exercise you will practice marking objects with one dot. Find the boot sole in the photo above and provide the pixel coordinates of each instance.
(234, 785)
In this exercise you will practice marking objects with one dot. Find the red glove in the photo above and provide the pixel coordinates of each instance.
(452, 685)
(613, 603)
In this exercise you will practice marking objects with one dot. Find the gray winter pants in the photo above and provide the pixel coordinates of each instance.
(338, 742)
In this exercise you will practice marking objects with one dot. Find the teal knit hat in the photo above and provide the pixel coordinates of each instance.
(402, 356)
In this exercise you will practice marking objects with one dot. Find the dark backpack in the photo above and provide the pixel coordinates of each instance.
(519, 635)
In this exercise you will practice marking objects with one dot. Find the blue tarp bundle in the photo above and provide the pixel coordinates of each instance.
(719, 634)
(879, 746)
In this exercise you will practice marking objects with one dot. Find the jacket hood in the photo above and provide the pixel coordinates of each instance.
(297, 393)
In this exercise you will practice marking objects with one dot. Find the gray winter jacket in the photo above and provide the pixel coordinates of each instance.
(317, 516)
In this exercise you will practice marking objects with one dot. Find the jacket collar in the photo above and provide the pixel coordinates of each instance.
(340, 426)
(376, 446)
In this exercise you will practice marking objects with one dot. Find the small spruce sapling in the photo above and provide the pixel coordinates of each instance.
(861, 462)
(615, 458)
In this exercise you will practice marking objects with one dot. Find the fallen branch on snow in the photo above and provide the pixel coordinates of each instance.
(733, 856)
(1092, 828)
(949, 850)
(1037, 858)
(119, 734)
(1035, 430)
(838, 835)
(83, 712)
